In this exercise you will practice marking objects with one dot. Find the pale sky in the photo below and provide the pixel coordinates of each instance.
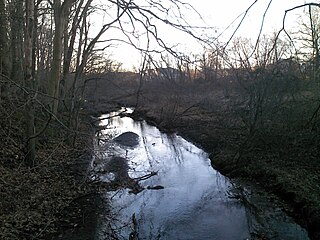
(219, 15)
(223, 13)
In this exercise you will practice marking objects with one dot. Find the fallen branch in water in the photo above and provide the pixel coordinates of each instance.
(145, 177)
(120, 114)
(134, 234)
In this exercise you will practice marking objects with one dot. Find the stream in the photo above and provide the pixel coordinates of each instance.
(196, 202)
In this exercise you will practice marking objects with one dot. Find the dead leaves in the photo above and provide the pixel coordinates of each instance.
(32, 200)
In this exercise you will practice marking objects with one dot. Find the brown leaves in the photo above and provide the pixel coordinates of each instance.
(31, 200)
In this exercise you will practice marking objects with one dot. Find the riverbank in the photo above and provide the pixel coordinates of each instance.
(52, 200)
(271, 141)
(285, 168)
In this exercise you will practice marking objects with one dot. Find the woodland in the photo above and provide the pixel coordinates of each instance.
(252, 104)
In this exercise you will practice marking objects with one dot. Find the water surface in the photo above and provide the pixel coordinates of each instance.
(197, 202)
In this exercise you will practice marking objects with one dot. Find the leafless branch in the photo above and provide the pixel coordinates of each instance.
(261, 27)
(283, 28)
(240, 23)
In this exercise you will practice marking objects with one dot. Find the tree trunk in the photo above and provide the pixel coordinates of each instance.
(29, 84)
(56, 56)
(61, 13)
(4, 51)
(16, 35)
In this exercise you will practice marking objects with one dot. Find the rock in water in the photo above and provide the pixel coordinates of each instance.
(158, 187)
(129, 139)
(117, 164)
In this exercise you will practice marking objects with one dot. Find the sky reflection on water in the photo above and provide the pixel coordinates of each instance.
(195, 202)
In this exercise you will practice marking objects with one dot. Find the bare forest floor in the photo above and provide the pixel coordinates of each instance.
(52, 200)
(282, 154)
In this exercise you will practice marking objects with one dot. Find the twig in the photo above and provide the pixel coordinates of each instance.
(241, 21)
(145, 177)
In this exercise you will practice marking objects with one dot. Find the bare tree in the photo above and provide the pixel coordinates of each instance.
(266, 80)
(308, 39)
(51, 38)
(4, 47)
(16, 9)
(29, 82)
(61, 11)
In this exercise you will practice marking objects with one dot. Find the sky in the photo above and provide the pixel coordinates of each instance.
(220, 19)
(223, 13)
